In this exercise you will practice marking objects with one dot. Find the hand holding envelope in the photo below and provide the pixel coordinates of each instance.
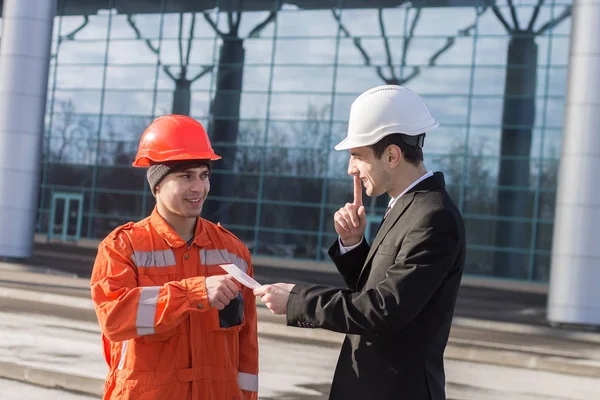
(274, 296)
(240, 276)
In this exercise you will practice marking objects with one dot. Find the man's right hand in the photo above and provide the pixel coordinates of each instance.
(351, 221)
(221, 289)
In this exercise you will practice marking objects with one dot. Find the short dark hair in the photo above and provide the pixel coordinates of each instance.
(412, 154)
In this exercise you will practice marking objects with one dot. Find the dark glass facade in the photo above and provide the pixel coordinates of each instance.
(273, 84)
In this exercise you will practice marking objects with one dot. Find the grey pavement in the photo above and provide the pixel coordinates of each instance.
(288, 370)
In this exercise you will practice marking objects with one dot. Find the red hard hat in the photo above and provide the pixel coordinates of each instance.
(172, 138)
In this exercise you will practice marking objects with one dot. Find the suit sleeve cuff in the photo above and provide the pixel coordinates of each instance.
(296, 315)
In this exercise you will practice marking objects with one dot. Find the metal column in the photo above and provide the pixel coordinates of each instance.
(24, 63)
(574, 296)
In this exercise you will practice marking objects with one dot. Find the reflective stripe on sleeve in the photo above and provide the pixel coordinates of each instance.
(146, 311)
(248, 382)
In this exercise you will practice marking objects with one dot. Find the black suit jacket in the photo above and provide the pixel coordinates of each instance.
(398, 307)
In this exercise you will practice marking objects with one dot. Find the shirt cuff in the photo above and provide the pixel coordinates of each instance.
(196, 293)
(344, 249)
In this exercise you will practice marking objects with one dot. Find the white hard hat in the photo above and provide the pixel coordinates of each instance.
(384, 110)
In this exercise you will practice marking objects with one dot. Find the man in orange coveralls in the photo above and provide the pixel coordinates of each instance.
(174, 324)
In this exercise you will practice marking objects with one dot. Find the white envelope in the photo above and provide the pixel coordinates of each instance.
(240, 276)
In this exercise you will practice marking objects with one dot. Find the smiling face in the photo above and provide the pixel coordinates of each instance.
(374, 173)
(181, 194)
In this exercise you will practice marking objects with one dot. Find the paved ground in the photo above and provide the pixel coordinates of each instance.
(13, 390)
(288, 371)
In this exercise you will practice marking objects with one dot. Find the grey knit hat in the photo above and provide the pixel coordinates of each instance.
(157, 172)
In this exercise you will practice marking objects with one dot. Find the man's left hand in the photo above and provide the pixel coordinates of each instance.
(275, 296)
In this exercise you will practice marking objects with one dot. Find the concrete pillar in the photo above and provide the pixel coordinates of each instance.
(574, 295)
(24, 63)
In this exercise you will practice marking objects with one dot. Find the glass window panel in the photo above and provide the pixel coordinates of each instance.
(72, 150)
(304, 162)
(129, 26)
(121, 177)
(128, 129)
(128, 102)
(490, 25)
(259, 51)
(131, 52)
(491, 51)
(489, 80)
(294, 106)
(256, 78)
(479, 231)
(290, 217)
(163, 102)
(79, 77)
(251, 133)
(293, 189)
(448, 21)
(444, 140)
(484, 141)
(299, 23)
(201, 77)
(242, 215)
(564, 28)
(341, 110)
(482, 173)
(302, 51)
(254, 106)
(546, 174)
(202, 52)
(202, 29)
(287, 245)
(200, 104)
(448, 109)
(117, 152)
(487, 110)
(371, 51)
(365, 22)
(555, 113)
(541, 268)
(82, 52)
(310, 133)
(355, 79)
(479, 262)
(545, 232)
(84, 101)
(130, 77)
(452, 165)
(95, 28)
(557, 81)
(302, 79)
(60, 174)
(441, 80)
(252, 22)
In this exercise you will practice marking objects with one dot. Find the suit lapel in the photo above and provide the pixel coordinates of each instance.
(388, 223)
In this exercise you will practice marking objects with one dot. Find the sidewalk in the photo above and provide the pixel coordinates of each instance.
(492, 326)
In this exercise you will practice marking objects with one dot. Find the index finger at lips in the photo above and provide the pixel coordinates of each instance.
(357, 192)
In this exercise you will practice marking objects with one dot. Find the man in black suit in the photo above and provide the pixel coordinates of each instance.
(398, 307)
